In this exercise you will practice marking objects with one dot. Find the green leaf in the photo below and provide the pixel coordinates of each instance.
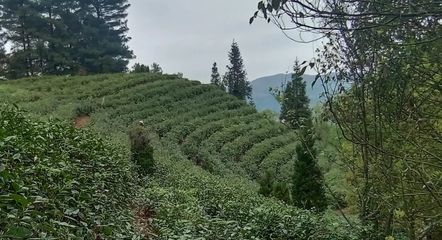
(64, 224)
(18, 232)
(22, 200)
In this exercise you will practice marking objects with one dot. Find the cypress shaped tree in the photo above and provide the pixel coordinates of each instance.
(308, 184)
(295, 110)
(215, 78)
(235, 77)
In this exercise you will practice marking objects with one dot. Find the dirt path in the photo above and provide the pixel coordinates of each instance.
(82, 121)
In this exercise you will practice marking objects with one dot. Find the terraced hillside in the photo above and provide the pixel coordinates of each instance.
(209, 149)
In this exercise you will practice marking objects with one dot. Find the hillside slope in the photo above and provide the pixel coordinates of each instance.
(209, 146)
(265, 101)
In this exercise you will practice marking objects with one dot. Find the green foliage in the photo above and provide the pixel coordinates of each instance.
(65, 37)
(295, 110)
(155, 68)
(85, 109)
(58, 182)
(140, 68)
(141, 149)
(215, 78)
(308, 186)
(190, 204)
(204, 145)
(235, 80)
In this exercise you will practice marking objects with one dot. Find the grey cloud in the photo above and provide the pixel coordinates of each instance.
(188, 36)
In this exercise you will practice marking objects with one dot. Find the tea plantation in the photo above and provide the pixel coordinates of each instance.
(209, 150)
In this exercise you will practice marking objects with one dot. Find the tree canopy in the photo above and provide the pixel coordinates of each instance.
(235, 79)
(65, 37)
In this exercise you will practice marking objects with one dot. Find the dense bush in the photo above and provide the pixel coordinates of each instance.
(141, 148)
(58, 182)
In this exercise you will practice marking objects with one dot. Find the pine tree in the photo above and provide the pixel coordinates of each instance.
(235, 77)
(308, 185)
(102, 45)
(215, 78)
(21, 21)
(295, 110)
(65, 37)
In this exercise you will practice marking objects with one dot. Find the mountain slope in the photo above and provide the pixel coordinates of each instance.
(209, 149)
(265, 101)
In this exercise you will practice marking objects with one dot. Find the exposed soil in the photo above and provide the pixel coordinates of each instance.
(82, 121)
(143, 221)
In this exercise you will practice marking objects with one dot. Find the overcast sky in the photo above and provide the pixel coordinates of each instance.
(188, 36)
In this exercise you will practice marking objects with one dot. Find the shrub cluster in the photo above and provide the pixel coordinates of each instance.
(60, 183)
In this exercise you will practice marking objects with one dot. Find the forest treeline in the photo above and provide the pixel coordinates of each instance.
(63, 37)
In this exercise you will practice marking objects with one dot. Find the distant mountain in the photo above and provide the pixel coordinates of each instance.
(265, 101)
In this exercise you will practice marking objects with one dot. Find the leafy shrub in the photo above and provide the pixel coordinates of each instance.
(141, 149)
(85, 109)
(57, 182)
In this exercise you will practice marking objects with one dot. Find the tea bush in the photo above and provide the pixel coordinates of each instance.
(58, 182)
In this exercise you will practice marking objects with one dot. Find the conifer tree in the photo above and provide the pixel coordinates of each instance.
(215, 78)
(103, 42)
(20, 20)
(65, 37)
(308, 184)
(295, 110)
(235, 77)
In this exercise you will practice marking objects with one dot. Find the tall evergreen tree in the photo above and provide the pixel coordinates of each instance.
(102, 46)
(215, 78)
(65, 37)
(21, 20)
(308, 184)
(295, 110)
(235, 77)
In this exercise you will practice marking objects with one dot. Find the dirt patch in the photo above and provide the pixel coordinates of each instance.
(143, 221)
(82, 121)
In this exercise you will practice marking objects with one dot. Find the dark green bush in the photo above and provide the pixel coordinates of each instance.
(84, 109)
(141, 148)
